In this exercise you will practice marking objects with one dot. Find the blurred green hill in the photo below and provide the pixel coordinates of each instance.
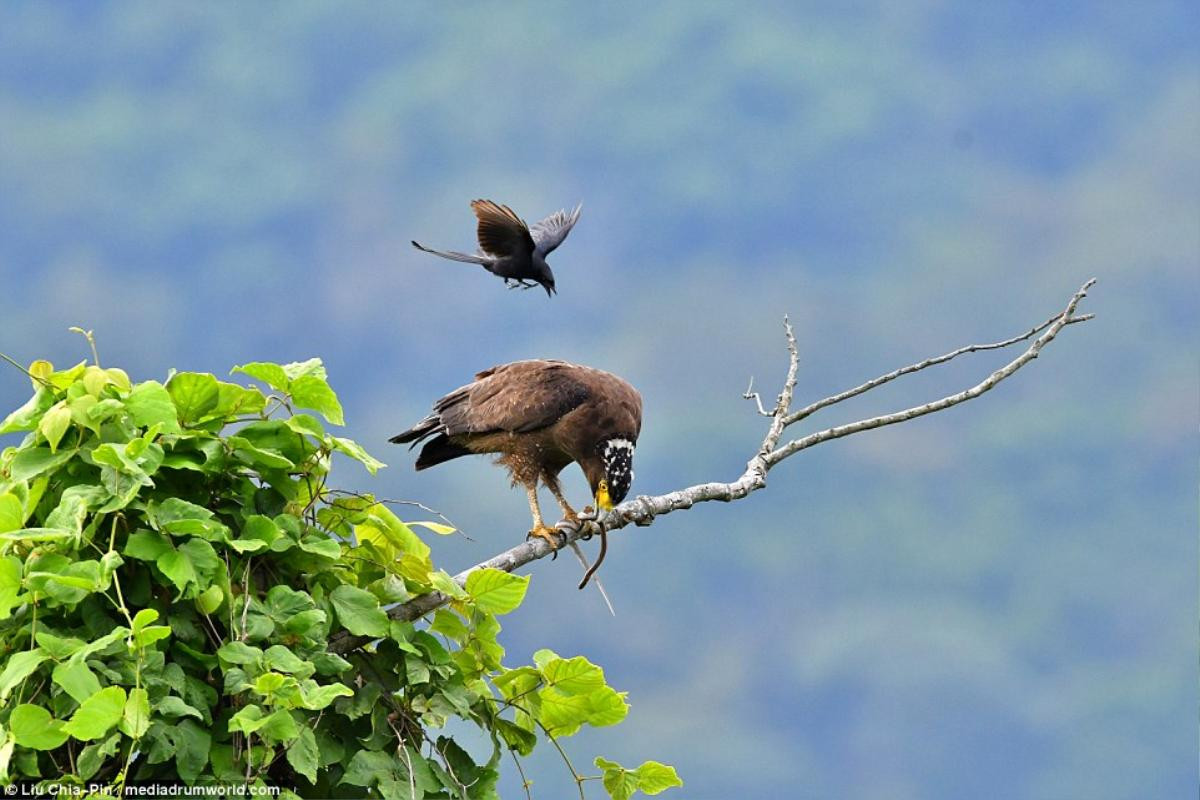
(998, 601)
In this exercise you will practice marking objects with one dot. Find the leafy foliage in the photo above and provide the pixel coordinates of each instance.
(172, 566)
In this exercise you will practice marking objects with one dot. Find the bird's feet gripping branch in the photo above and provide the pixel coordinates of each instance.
(553, 537)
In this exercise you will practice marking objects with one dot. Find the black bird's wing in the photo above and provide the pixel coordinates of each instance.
(550, 232)
(501, 232)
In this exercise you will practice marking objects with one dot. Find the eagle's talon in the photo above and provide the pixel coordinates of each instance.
(552, 537)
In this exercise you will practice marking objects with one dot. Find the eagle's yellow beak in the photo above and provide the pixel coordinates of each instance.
(603, 501)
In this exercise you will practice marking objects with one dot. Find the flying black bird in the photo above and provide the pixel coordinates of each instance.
(539, 416)
(510, 248)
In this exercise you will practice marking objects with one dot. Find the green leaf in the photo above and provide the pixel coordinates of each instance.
(95, 380)
(10, 585)
(304, 756)
(248, 720)
(34, 461)
(239, 653)
(20, 666)
(519, 681)
(447, 623)
(563, 714)
(57, 647)
(172, 706)
(192, 744)
(97, 715)
(76, 679)
(436, 527)
(54, 424)
(143, 619)
(26, 417)
(210, 599)
(310, 391)
(12, 512)
(308, 623)
(606, 706)
(150, 403)
(358, 611)
(321, 546)
(174, 509)
(495, 591)
(61, 378)
(36, 535)
(119, 378)
(270, 374)
(135, 718)
(93, 756)
(32, 726)
(147, 546)
(515, 736)
(358, 453)
(444, 583)
(398, 533)
(178, 568)
(194, 394)
(281, 659)
(234, 400)
(151, 635)
(651, 777)
(299, 369)
(259, 457)
(305, 424)
(369, 766)
(83, 575)
(316, 697)
(269, 685)
(278, 727)
(573, 675)
(191, 563)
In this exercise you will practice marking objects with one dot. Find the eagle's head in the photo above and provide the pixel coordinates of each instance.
(611, 487)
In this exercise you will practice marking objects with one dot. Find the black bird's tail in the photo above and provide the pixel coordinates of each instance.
(453, 255)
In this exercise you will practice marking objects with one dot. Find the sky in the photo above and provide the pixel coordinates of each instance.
(994, 601)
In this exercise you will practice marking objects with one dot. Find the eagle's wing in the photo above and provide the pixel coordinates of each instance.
(501, 232)
(515, 398)
(550, 232)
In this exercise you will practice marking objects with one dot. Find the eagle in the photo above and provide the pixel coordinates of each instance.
(511, 249)
(538, 416)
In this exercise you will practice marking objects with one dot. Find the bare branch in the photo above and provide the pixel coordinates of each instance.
(750, 394)
(1052, 328)
(779, 421)
(812, 408)
(644, 509)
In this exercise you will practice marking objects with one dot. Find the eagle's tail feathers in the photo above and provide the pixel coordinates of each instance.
(439, 449)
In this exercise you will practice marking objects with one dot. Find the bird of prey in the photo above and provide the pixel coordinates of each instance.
(511, 249)
(538, 416)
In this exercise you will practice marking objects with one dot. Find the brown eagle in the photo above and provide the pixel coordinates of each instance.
(539, 416)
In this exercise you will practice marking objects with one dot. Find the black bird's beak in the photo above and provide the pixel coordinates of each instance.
(550, 290)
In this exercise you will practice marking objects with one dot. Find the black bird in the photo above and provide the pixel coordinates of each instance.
(538, 416)
(511, 249)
